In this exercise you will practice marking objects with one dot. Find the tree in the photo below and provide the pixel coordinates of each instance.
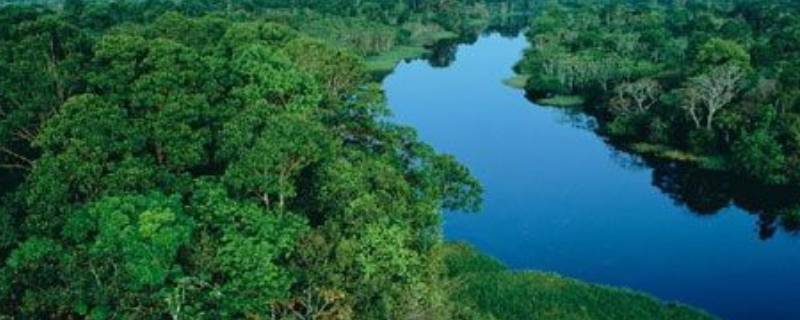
(760, 156)
(215, 167)
(268, 164)
(115, 257)
(39, 60)
(87, 152)
(717, 52)
(239, 253)
(636, 97)
(339, 71)
(715, 90)
(690, 103)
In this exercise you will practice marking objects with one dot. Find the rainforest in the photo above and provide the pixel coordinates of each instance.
(399, 159)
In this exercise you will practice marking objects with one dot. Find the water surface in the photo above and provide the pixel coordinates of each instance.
(558, 198)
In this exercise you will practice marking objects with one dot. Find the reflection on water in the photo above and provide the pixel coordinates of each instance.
(707, 192)
(704, 191)
(560, 198)
(443, 53)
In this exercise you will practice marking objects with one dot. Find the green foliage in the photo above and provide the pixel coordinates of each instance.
(517, 81)
(230, 160)
(129, 246)
(385, 63)
(268, 164)
(759, 155)
(701, 140)
(35, 263)
(489, 288)
(624, 126)
(192, 161)
(139, 235)
(718, 51)
(666, 152)
(688, 75)
(338, 70)
(461, 259)
(237, 256)
(7, 231)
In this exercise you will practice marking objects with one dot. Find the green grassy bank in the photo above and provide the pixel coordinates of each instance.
(487, 287)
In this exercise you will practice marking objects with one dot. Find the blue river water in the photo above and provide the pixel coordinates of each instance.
(559, 198)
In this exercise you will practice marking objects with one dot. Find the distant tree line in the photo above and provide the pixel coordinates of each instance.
(714, 79)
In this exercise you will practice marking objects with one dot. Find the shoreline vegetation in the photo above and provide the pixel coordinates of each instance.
(386, 62)
(710, 87)
(489, 287)
(194, 160)
(659, 151)
(715, 87)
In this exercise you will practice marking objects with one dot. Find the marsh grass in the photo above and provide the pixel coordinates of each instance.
(489, 287)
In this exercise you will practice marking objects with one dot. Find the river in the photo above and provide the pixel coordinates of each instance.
(559, 198)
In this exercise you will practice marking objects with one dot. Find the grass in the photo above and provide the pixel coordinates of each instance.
(488, 287)
(428, 38)
(517, 82)
(663, 151)
(669, 153)
(385, 62)
(562, 101)
(520, 81)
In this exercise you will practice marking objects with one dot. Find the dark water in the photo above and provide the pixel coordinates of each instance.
(559, 198)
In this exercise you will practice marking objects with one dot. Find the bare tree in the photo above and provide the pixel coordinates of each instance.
(322, 304)
(691, 104)
(716, 89)
(636, 97)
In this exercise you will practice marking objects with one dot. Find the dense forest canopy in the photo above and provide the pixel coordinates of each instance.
(710, 82)
(209, 159)
(717, 79)
(204, 159)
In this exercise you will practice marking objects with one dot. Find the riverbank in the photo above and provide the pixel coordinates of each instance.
(386, 62)
(562, 199)
(659, 151)
(488, 287)
(481, 282)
